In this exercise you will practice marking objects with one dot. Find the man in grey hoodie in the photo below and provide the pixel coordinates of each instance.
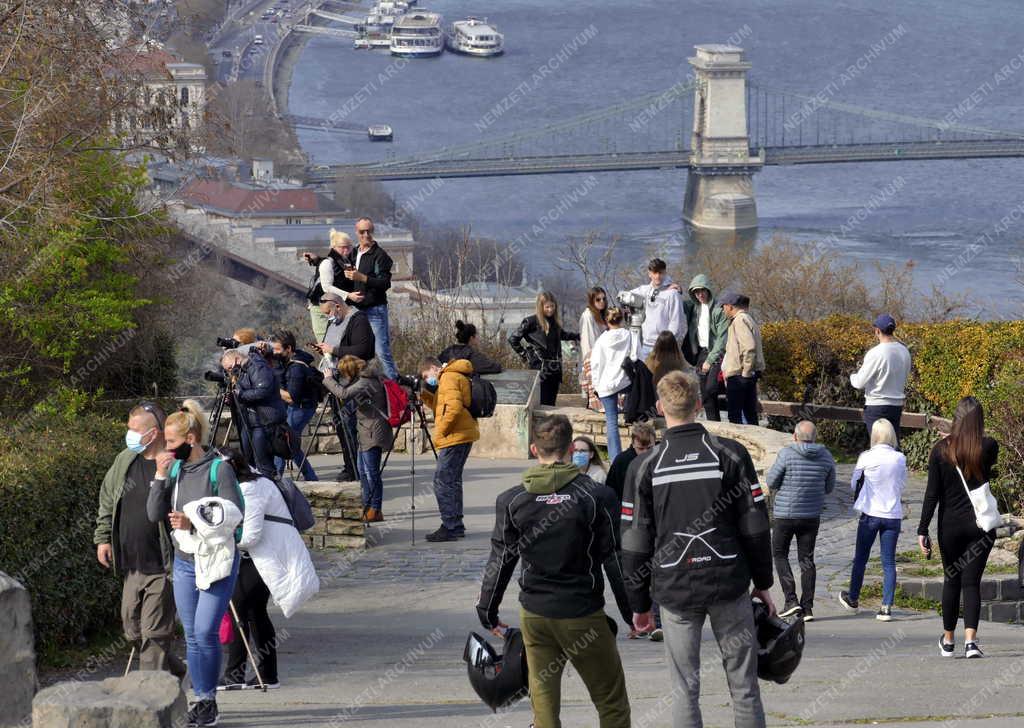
(706, 332)
(799, 479)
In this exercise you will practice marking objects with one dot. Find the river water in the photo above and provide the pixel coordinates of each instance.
(960, 57)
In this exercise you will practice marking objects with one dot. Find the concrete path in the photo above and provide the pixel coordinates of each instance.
(382, 643)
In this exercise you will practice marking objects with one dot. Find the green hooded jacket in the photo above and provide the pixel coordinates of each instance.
(545, 479)
(111, 492)
(718, 331)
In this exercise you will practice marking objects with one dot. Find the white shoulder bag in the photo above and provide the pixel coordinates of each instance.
(986, 510)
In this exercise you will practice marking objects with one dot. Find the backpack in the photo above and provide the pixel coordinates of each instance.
(482, 397)
(214, 466)
(316, 291)
(398, 402)
(314, 380)
(298, 505)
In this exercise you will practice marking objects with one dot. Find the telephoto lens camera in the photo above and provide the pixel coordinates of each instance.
(412, 382)
(217, 377)
(228, 343)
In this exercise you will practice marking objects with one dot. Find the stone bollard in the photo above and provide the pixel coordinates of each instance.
(145, 699)
(17, 652)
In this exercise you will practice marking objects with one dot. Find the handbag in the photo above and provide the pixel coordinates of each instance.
(986, 510)
(226, 633)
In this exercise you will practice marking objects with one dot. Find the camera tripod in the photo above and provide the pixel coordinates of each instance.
(417, 423)
(348, 448)
(225, 397)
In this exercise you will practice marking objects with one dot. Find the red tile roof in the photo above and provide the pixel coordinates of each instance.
(232, 199)
(150, 63)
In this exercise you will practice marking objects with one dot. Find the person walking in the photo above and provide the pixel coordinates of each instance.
(692, 540)
(559, 522)
(878, 482)
(371, 276)
(467, 346)
(274, 563)
(329, 277)
(707, 331)
(665, 357)
(538, 341)
(593, 323)
(132, 546)
(663, 306)
(300, 390)
(608, 375)
(359, 382)
(186, 473)
(743, 363)
(883, 376)
(447, 391)
(964, 461)
(801, 476)
(586, 457)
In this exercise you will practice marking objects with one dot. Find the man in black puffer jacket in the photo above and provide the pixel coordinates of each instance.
(300, 388)
(259, 402)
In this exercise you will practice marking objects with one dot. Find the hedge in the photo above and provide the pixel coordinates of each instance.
(49, 487)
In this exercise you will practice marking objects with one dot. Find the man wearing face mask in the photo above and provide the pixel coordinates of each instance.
(134, 547)
(446, 390)
(259, 397)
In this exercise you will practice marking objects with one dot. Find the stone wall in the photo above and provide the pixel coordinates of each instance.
(17, 653)
(339, 515)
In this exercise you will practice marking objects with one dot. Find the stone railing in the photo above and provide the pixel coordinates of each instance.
(339, 515)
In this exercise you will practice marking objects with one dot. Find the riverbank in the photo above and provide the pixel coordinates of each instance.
(291, 49)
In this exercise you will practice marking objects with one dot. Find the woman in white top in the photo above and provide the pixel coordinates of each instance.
(330, 279)
(586, 457)
(609, 379)
(878, 480)
(592, 324)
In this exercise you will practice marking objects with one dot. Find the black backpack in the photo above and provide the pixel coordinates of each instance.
(482, 397)
(314, 380)
(316, 291)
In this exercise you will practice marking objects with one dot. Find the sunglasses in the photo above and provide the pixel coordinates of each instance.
(364, 232)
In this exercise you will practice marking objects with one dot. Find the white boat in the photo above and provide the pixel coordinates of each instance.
(475, 38)
(376, 32)
(417, 34)
(379, 132)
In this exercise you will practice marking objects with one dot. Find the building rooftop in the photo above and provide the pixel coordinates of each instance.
(239, 200)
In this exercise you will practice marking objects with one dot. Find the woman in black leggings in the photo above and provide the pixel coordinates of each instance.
(965, 459)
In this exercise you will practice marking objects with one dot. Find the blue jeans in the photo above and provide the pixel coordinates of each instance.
(298, 418)
(369, 476)
(888, 532)
(611, 424)
(200, 613)
(448, 484)
(378, 316)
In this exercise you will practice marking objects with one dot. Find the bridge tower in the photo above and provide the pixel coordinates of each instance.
(719, 188)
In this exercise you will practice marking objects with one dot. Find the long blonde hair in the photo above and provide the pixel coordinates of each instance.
(189, 420)
(542, 320)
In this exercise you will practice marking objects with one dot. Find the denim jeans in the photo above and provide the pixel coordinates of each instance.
(888, 532)
(200, 612)
(369, 477)
(448, 484)
(298, 418)
(378, 316)
(611, 424)
(891, 412)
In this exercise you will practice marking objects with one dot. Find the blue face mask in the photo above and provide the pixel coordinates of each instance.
(581, 459)
(431, 382)
(133, 441)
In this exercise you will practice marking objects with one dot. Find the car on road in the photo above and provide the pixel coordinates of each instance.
(226, 54)
(257, 40)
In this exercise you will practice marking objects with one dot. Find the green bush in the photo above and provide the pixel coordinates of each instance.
(917, 446)
(1004, 419)
(49, 487)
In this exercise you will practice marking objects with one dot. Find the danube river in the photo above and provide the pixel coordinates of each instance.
(959, 60)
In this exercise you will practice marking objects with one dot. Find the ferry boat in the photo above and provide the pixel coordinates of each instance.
(376, 32)
(379, 132)
(417, 34)
(475, 38)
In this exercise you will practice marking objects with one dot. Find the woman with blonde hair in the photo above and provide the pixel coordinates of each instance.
(593, 323)
(665, 357)
(185, 472)
(329, 277)
(538, 340)
(878, 481)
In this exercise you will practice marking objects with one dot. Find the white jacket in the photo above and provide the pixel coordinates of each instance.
(885, 476)
(611, 349)
(664, 313)
(276, 549)
(213, 544)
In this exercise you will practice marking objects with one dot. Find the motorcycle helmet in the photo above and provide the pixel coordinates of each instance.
(780, 645)
(499, 680)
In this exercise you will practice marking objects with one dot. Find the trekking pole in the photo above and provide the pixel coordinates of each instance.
(248, 651)
(129, 665)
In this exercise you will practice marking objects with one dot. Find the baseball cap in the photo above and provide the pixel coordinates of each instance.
(730, 298)
(331, 298)
(885, 323)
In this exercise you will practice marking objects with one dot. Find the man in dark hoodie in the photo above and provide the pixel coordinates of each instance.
(300, 389)
(706, 333)
(800, 478)
(560, 522)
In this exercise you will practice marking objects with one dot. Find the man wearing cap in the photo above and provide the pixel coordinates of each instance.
(743, 362)
(883, 376)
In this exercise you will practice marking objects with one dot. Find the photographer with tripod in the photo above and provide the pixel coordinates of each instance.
(446, 390)
(300, 389)
(260, 409)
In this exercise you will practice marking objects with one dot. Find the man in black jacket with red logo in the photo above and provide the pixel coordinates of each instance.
(695, 533)
(560, 522)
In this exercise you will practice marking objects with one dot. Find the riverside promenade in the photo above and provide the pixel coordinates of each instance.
(381, 645)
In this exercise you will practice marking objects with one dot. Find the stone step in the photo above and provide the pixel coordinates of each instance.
(1003, 611)
(995, 588)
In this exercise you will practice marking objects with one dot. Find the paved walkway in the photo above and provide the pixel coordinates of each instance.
(382, 643)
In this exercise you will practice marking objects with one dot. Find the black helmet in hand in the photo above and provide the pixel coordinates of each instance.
(780, 645)
(499, 680)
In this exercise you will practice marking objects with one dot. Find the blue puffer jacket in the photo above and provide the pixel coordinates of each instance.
(801, 476)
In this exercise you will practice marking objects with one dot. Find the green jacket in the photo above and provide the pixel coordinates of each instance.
(718, 330)
(110, 506)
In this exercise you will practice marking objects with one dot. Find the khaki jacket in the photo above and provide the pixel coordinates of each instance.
(743, 355)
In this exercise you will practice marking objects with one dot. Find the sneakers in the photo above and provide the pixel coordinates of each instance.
(807, 614)
(850, 604)
(203, 713)
(946, 648)
(657, 635)
(884, 613)
(790, 609)
(226, 684)
(442, 534)
(254, 684)
(972, 651)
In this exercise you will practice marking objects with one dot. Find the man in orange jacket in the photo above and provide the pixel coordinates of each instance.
(446, 390)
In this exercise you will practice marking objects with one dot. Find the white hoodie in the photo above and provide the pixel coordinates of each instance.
(664, 313)
(611, 349)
